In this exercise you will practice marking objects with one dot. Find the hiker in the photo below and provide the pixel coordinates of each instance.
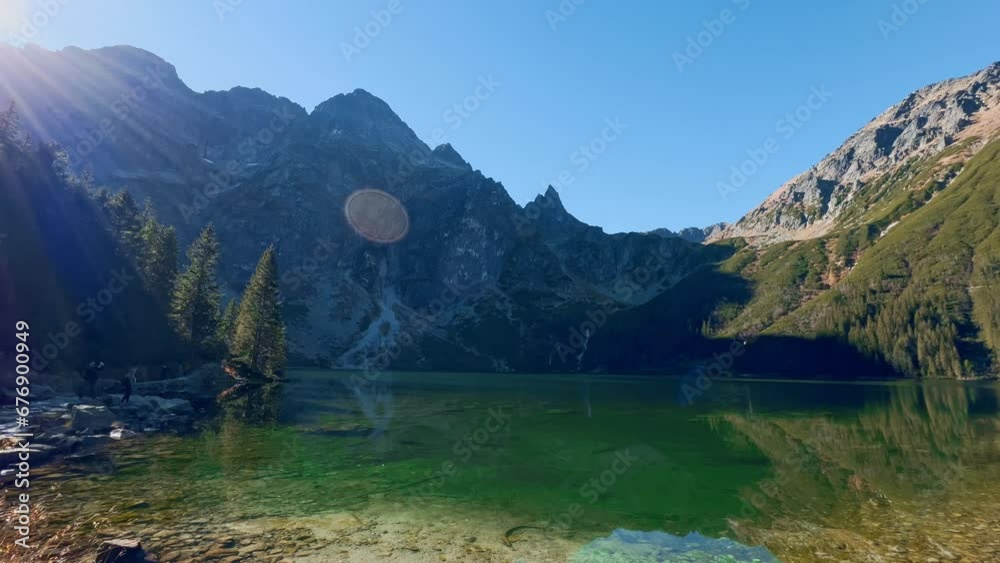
(128, 381)
(90, 377)
(164, 372)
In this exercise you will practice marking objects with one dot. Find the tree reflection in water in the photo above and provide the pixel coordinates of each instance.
(861, 471)
(258, 404)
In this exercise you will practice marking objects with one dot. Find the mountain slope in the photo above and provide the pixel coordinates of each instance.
(475, 270)
(927, 122)
(912, 287)
(881, 259)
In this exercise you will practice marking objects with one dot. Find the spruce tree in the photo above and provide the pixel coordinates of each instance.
(12, 134)
(158, 258)
(227, 325)
(196, 295)
(10, 123)
(126, 220)
(259, 338)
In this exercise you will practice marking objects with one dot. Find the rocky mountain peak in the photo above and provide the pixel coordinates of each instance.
(551, 199)
(549, 217)
(366, 118)
(698, 235)
(447, 154)
(925, 123)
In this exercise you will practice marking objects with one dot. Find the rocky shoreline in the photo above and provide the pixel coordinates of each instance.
(70, 429)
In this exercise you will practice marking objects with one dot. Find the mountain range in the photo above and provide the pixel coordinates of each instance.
(880, 259)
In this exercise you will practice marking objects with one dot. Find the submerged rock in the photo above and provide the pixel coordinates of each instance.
(121, 551)
(625, 545)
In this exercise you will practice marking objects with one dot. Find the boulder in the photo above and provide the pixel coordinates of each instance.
(121, 551)
(90, 417)
(121, 434)
(174, 407)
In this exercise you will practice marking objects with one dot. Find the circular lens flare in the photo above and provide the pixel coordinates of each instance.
(377, 216)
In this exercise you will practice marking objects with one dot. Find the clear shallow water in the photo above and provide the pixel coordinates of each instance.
(539, 468)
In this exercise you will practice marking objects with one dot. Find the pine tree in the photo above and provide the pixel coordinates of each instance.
(87, 180)
(196, 295)
(11, 132)
(259, 338)
(158, 258)
(126, 219)
(227, 324)
(10, 122)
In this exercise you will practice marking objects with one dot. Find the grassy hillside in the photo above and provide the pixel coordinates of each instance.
(911, 280)
(909, 283)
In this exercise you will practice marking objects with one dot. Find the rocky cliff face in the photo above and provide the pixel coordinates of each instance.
(478, 282)
(927, 122)
(694, 234)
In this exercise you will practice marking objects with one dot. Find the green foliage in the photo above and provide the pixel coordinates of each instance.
(227, 324)
(12, 135)
(909, 279)
(157, 259)
(259, 335)
(914, 331)
(126, 220)
(783, 276)
(65, 268)
(924, 296)
(196, 296)
(985, 292)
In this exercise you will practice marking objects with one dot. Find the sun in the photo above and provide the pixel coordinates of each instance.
(11, 17)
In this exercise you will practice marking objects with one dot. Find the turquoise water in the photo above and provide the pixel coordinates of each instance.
(527, 463)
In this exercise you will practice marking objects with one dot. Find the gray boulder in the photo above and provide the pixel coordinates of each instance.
(121, 551)
(91, 417)
(121, 434)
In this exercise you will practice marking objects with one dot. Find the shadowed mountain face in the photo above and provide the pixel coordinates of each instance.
(477, 282)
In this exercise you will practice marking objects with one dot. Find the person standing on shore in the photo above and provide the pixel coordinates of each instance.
(90, 377)
(128, 382)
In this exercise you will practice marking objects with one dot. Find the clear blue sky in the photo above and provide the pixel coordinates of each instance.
(557, 86)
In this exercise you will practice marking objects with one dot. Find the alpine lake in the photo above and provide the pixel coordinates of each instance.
(429, 467)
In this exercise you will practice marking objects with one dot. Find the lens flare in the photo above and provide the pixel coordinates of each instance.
(377, 216)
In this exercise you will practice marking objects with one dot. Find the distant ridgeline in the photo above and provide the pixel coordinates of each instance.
(882, 259)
